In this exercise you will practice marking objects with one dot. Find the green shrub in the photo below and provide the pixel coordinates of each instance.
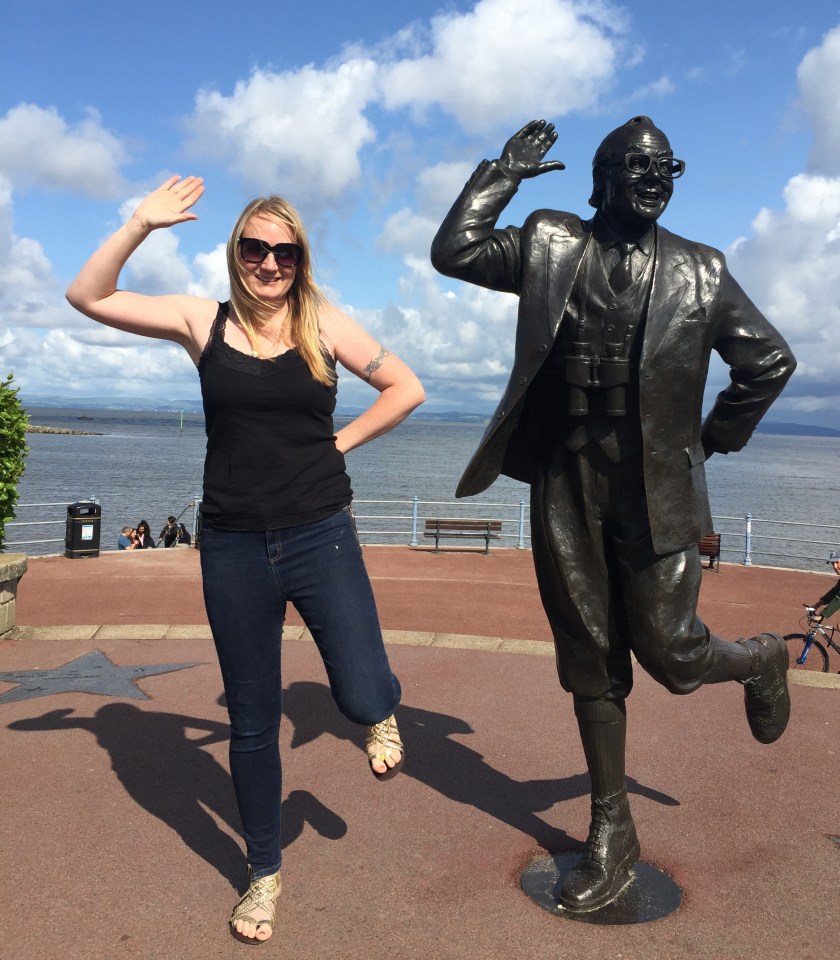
(13, 450)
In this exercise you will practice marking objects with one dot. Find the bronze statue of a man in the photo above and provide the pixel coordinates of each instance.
(602, 417)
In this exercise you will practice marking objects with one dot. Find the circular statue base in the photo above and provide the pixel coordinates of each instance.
(651, 894)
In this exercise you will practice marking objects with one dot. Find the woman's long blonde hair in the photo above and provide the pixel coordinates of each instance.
(304, 298)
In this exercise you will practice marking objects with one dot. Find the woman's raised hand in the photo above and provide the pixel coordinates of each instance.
(170, 203)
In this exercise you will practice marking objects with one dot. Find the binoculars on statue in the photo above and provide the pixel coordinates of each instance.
(610, 373)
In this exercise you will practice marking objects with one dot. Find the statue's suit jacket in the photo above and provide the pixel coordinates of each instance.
(694, 307)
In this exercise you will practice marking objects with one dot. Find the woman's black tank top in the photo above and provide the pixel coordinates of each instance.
(271, 455)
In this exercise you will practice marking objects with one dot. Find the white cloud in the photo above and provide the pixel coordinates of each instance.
(55, 350)
(39, 148)
(296, 131)
(30, 294)
(457, 337)
(819, 87)
(791, 263)
(99, 362)
(410, 231)
(302, 131)
(213, 281)
(506, 59)
(813, 200)
(791, 266)
(459, 343)
(437, 185)
(663, 87)
(157, 267)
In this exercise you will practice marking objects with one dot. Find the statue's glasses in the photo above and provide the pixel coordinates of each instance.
(255, 251)
(639, 163)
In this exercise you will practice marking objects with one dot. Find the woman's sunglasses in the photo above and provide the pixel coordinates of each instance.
(255, 251)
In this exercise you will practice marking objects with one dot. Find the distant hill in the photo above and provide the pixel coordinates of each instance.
(452, 416)
(766, 426)
(111, 403)
(447, 416)
(795, 429)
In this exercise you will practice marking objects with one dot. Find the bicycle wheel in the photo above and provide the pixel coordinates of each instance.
(817, 658)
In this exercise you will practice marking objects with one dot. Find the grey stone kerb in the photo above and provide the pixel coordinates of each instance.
(12, 568)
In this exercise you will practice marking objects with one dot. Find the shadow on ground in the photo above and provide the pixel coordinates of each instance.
(163, 767)
(451, 768)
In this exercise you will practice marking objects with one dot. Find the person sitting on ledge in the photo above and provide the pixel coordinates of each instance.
(169, 534)
(145, 540)
(125, 541)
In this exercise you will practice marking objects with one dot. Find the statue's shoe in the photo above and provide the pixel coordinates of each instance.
(766, 696)
(612, 849)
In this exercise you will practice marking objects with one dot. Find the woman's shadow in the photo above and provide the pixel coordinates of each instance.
(166, 772)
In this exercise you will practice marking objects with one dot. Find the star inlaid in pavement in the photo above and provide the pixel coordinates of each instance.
(91, 673)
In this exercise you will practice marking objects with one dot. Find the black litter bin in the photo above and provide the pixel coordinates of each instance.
(81, 539)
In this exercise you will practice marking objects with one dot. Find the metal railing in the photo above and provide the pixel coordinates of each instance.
(45, 518)
(39, 523)
(402, 521)
(782, 540)
(745, 539)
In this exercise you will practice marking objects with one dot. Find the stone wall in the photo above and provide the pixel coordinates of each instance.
(12, 568)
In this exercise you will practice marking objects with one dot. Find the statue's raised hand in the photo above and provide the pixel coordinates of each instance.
(523, 153)
(170, 203)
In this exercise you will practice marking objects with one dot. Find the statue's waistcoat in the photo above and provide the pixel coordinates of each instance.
(588, 388)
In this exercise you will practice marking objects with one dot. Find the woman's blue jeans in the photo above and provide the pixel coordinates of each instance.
(248, 579)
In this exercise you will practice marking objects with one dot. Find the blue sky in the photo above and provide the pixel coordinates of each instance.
(370, 117)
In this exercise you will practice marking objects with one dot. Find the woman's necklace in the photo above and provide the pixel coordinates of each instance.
(273, 343)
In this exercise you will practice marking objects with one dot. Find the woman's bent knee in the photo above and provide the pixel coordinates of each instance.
(369, 706)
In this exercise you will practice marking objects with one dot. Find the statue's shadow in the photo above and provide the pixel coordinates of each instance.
(159, 759)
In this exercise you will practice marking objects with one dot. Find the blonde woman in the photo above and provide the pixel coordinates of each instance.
(276, 521)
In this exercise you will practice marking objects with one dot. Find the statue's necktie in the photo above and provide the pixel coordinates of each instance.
(621, 275)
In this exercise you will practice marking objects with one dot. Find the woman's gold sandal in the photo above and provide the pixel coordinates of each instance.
(261, 894)
(381, 739)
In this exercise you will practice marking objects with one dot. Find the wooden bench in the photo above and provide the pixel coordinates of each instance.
(709, 547)
(486, 530)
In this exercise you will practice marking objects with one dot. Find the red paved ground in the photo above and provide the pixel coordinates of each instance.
(120, 836)
(454, 592)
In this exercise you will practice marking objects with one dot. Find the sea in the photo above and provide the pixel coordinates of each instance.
(143, 465)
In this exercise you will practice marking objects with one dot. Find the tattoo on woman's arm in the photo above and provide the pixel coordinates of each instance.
(376, 363)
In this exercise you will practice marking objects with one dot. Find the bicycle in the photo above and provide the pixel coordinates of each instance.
(800, 645)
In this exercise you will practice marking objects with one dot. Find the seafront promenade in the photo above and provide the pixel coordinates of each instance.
(119, 828)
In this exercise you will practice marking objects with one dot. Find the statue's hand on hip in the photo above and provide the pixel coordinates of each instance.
(523, 153)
